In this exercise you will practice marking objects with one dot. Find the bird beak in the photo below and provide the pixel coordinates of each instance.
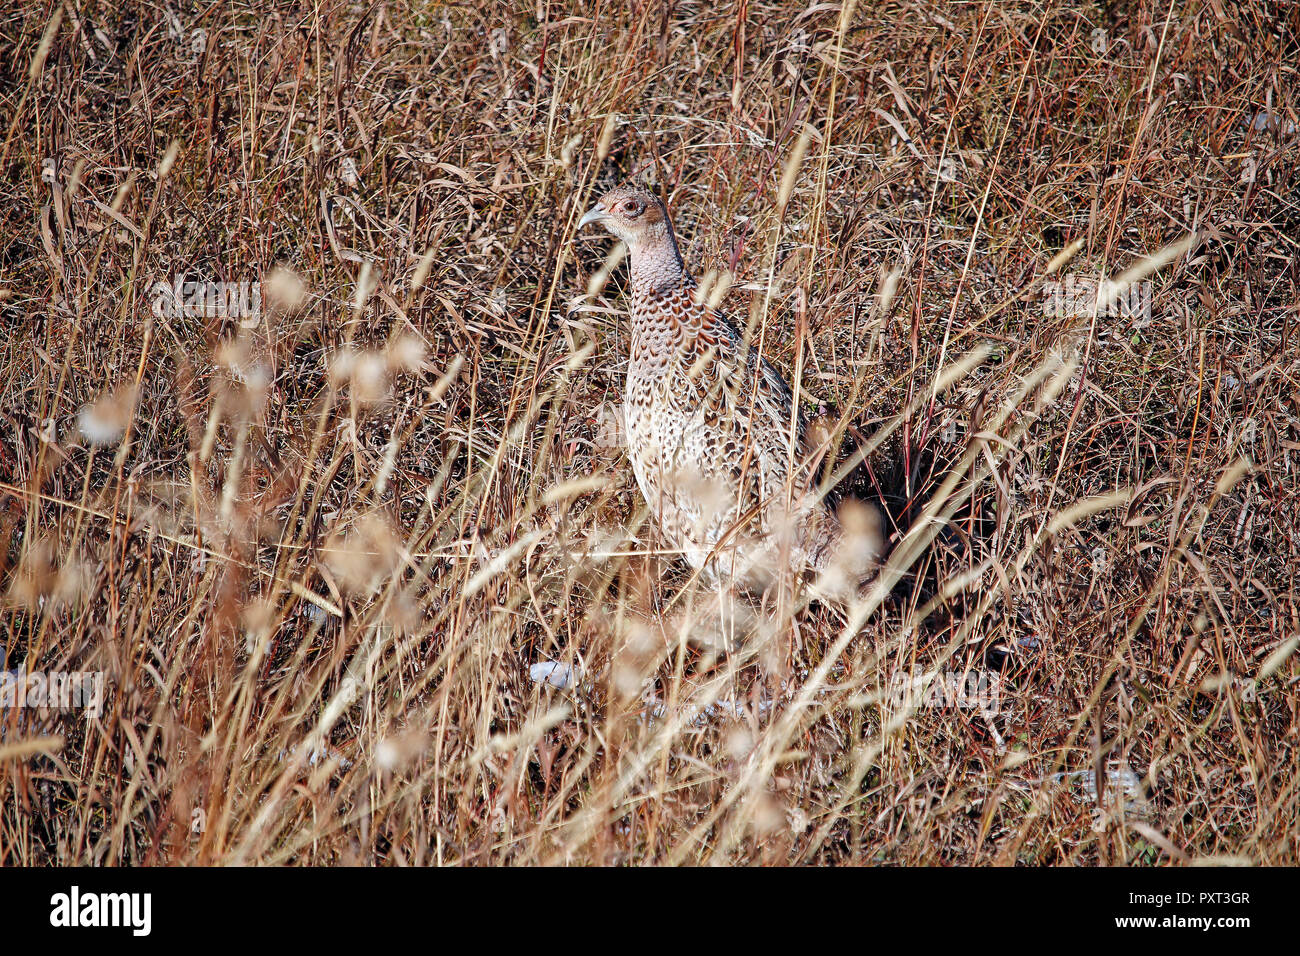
(594, 214)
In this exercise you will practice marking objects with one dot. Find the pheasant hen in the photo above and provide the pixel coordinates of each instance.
(716, 443)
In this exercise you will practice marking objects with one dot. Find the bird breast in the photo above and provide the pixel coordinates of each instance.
(709, 425)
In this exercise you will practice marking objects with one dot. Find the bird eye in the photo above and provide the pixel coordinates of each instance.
(632, 208)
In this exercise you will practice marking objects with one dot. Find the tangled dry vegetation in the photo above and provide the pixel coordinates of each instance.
(334, 557)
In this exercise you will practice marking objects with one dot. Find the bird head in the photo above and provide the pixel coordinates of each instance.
(632, 214)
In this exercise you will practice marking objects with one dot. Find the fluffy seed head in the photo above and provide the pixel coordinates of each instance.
(103, 421)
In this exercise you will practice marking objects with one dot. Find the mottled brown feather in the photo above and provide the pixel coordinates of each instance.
(713, 436)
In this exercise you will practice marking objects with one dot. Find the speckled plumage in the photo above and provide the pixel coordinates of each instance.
(713, 436)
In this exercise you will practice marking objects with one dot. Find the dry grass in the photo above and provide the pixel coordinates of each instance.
(316, 554)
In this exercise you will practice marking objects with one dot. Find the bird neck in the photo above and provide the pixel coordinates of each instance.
(656, 262)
